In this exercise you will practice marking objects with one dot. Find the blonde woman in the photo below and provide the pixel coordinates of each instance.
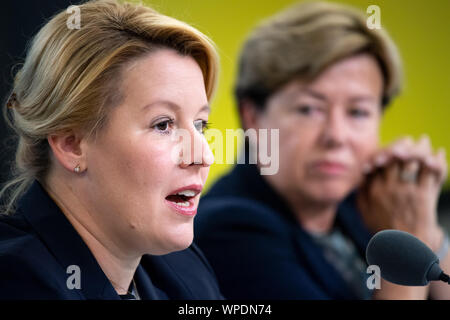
(98, 201)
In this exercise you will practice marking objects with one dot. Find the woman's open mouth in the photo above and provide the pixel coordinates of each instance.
(183, 200)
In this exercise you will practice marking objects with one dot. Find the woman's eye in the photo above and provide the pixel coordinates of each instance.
(359, 113)
(163, 126)
(307, 110)
(201, 126)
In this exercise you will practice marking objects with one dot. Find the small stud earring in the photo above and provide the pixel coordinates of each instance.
(77, 169)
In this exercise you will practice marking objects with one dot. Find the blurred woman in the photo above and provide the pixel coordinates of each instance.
(320, 76)
(98, 201)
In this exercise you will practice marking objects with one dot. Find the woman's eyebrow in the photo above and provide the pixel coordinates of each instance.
(174, 106)
(205, 108)
(314, 94)
(166, 103)
(363, 98)
(322, 97)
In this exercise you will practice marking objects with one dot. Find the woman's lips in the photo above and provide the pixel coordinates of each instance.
(190, 210)
(182, 200)
(330, 168)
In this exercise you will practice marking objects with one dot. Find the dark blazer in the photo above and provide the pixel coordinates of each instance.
(38, 244)
(257, 248)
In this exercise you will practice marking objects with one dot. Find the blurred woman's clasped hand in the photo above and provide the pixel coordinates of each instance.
(401, 189)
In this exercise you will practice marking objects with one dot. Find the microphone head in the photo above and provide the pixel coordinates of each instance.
(402, 258)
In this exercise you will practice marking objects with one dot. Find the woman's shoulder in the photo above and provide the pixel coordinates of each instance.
(26, 266)
(16, 235)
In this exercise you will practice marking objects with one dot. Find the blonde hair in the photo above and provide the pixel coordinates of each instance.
(303, 40)
(71, 78)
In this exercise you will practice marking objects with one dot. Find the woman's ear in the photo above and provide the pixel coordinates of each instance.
(249, 114)
(69, 149)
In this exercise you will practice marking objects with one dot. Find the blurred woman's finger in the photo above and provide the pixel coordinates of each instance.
(398, 149)
(401, 148)
(392, 173)
(409, 172)
(434, 171)
(427, 177)
(419, 150)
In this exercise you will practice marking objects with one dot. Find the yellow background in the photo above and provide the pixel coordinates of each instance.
(420, 28)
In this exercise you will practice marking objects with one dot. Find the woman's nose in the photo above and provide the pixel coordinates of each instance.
(334, 130)
(196, 150)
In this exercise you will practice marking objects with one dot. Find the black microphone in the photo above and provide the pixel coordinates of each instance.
(403, 259)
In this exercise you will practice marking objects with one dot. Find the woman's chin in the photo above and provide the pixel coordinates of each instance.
(182, 243)
(176, 242)
(332, 193)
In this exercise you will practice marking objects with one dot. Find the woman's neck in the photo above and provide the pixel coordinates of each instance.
(313, 216)
(118, 266)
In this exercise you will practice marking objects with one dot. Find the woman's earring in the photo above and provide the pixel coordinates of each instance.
(77, 169)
